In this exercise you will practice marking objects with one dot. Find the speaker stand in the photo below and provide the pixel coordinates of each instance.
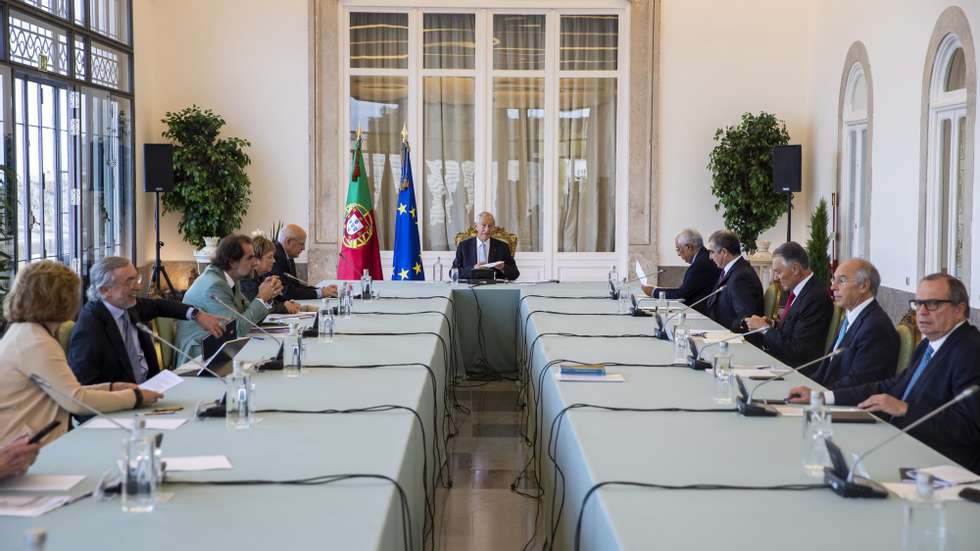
(789, 215)
(158, 267)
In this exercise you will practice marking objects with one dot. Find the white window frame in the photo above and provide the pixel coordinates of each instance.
(547, 263)
(856, 238)
(943, 106)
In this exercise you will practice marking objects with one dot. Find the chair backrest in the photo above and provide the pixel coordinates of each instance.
(774, 293)
(64, 334)
(167, 329)
(834, 327)
(498, 232)
(908, 337)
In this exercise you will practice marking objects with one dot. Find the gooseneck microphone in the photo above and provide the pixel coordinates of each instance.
(694, 361)
(43, 383)
(274, 363)
(143, 327)
(662, 332)
(298, 280)
(748, 408)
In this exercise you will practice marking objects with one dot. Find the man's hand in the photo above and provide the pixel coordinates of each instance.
(886, 403)
(270, 288)
(292, 307)
(648, 290)
(16, 456)
(211, 323)
(755, 322)
(328, 292)
(799, 395)
(150, 397)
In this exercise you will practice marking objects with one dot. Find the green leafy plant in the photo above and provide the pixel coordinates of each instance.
(741, 171)
(276, 228)
(819, 242)
(8, 225)
(211, 187)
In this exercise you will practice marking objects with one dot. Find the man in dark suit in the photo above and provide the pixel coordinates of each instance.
(943, 365)
(105, 345)
(866, 333)
(292, 242)
(700, 276)
(483, 251)
(742, 296)
(800, 334)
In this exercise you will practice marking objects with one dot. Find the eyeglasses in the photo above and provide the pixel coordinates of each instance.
(840, 280)
(930, 305)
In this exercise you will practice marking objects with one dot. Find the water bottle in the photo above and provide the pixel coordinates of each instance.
(348, 300)
(624, 297)
(662, 306)
(325, 330)
(437, 270)
(366, 285)
(139, 487)
(238, 405)
(816, 431)
(454, 275)
(614, 281)
(681, 348)
(294, 367)
(925, 518)
(722, 364)
(35, 538)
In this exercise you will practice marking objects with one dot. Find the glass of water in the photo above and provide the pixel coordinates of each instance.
(454, 275)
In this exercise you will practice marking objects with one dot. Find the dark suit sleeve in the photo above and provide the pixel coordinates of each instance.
(84, 357)
(509, 269)
(460, 262)
(746, 300)
(872, 358)
(854, 395)
(150, 308)
(698, 278)
(291, 289)
(804, 341)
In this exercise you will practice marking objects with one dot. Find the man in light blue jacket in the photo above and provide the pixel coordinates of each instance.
(233, 261)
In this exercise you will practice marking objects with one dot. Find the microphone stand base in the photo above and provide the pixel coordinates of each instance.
(638, 313)
(698, 364)
(859, 487)
(745, 409)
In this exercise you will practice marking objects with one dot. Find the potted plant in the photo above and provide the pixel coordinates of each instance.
(211, 187)
(741, 171)
(819, 243)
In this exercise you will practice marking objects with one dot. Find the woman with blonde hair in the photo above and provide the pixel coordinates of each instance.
(45, 294)
(265, 251)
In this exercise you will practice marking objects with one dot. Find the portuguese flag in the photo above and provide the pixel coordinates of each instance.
(360, 250)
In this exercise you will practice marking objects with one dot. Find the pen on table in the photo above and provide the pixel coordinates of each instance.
(166, 411)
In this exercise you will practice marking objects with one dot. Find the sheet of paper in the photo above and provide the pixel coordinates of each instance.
(757, 373)
(154, 424)
(717, 336)
(906, 490)
(197, 463)
(162, 382)
(607, 378)
(30, 506)
(640, 274)
(951, 474)
(788, 410)
(496, 264)
(41, 483)
(283, 318)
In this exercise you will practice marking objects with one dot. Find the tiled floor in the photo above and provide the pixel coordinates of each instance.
(480, 512)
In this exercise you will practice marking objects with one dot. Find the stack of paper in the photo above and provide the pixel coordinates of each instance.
(41, 483)
(30, 506)
(906, 490)
(949, 475)
(197, 463)
(162, 382)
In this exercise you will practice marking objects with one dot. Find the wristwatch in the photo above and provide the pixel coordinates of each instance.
(195, 313)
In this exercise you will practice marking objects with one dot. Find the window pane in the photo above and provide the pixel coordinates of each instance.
(8, 189)
(378, 106)
(110, 18)
(961, 204)
(518, 164)
(38, 44)
(80, 59)
(449, 41)
(110, 67)
(79, 12)
(54, 7)
(587, 165)
(589, 42)
(379, 40)
(859, 94)
(518, 42)
(448, 119)
(944, 164)
(956, 71)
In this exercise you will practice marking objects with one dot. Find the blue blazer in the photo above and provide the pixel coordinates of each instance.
(802, 333)
(954, 433)
(870, 352)
(699, 280)
(741, 298)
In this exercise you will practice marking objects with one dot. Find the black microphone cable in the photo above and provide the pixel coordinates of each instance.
(408, 537)
(654, 486)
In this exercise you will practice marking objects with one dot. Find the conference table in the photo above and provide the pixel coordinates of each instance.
(528, 326)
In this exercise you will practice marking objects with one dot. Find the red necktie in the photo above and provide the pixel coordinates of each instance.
(789, 303)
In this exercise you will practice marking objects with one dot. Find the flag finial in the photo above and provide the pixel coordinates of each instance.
(405, 133)
(358, 132)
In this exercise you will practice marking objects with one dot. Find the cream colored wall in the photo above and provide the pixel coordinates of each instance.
(247, 60)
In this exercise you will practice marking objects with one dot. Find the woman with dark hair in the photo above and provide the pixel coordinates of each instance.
(265, 252)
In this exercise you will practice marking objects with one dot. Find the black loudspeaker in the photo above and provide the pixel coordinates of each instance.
(158, 167)
(787, 168)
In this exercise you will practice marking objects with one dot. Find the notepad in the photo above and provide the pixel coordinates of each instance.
(41, 483)
(162, 382)
(950, 475)
(607, 378)
(756, 373)
(906, 490)
(30, 506)
(155, 424)
(197, 463)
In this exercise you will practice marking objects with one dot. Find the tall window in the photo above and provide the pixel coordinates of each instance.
(855, 188)
(946, 225)
(513, 112)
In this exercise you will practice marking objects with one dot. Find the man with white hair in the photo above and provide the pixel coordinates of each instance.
(485, 252)
(105, 344)
(700, 276)
(292, 242)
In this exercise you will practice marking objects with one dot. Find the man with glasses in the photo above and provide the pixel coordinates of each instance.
(105, 345)
(700, 276)
(866, 334)
(742, 296)
(233, 260)
(943, 365)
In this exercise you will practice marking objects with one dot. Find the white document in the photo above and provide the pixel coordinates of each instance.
(41, 483)
(162, 382)
(797, 411)
(496, 264)
(155, 424)
(607, 378)
(906, 490)
(30, 506)
(951, 474)
(757, 373)
(281, 318)
(197, 463)
(718, 336)
(640, 274)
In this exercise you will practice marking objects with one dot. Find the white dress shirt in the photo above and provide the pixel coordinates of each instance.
(485, 258)
(117, 316)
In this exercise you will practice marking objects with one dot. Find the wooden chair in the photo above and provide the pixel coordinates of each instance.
(64, 334)
(908, 338)
(498, 232)
(771, 300)
(167, 329)
(835, 321)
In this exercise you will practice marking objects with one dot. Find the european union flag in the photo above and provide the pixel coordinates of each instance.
(408, 250)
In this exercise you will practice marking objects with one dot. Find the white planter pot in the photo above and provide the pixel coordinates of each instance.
(204, 254)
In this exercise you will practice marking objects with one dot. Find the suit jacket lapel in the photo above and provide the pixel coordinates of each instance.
(114, 336)
(936, 360)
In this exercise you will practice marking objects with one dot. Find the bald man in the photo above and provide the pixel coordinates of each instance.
(292, 242)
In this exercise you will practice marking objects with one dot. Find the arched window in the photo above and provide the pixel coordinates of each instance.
(855, 167)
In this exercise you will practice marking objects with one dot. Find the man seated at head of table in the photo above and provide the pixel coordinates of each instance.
(292, 242)
(265, 252)
(866, 333)
(45, 294)
(483, 251)
(218, 289)
(105, 343)
(742, 296)
(943, 365)
(800, 334)
(699, 278)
